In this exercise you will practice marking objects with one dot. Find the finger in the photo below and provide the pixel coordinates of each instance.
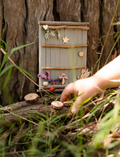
(67, 92)
(76, 106)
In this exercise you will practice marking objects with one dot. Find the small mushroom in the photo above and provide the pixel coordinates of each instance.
(63, 77)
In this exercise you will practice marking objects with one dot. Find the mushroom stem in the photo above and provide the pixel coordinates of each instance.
(63, 81)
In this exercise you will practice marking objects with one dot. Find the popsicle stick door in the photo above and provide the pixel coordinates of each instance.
(62, 52)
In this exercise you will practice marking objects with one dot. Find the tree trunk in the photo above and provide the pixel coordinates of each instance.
(19, 26)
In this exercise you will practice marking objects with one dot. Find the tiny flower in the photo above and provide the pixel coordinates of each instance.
(52, 33)
(45, 27)
(47, 36)
(49, 81)
(58, 34)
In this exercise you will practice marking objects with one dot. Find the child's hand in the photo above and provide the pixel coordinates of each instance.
(86, 86)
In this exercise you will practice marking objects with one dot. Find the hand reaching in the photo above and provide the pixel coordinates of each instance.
(86, 87)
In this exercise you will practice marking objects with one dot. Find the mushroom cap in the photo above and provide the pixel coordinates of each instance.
(63, 76)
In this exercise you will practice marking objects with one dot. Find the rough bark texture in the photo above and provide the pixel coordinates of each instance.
(19, 25)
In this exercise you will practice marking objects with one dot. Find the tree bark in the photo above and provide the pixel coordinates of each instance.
(19, 26)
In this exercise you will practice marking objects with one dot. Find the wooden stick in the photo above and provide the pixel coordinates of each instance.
(56, 90)
(67, 27)
(56, 86)
(62, 68)
(58, 23)
(62, 46)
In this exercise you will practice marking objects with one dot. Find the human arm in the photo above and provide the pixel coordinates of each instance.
(93, 85)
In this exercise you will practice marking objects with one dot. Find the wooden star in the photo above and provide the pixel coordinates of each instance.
(65, 40)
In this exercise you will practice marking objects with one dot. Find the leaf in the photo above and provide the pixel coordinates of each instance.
(116, 23)
(21, 69)
(41, 114)
(19, 47)
(5, 58)
(23, 154)
(56, 148)
(8, 77)
(5, 69)
(6, 47)
(58, 117)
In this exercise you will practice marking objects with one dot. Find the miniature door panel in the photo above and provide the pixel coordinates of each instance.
(62, 57)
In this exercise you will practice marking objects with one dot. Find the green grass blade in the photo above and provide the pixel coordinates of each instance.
(21, 69)
(23, 154)
(56, 148)
(41, 114)
(5, 69)
(116, 23)
(5, 59)
(58, 117)
(19, 47)
(112, 49)
(7, 78)
(6, 47)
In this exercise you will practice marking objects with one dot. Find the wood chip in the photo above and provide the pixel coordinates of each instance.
(67, 103)
(31, 97)
(57, 104)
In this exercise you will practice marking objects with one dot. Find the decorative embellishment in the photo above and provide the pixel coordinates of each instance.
(45, 83)
(45, 27)
(52, 89)
(55, 81)
(63, 77)
(65, 40)
(58, 35)
(47, 36)
(45, 77)
(85, 73)
(81, 54)
(50, 33)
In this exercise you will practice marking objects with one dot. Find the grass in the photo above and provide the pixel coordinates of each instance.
(59, 136)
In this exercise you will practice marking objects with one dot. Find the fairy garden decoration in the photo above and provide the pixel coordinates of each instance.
(50, 33)
(60, 45)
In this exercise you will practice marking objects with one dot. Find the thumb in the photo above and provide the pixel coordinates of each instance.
(76, 105)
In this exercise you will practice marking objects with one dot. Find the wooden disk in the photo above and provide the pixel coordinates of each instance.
(81, 54)
(31, 97)
(67, 103)
(57, 104)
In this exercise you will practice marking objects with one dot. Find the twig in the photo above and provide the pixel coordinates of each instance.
(67, 139)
